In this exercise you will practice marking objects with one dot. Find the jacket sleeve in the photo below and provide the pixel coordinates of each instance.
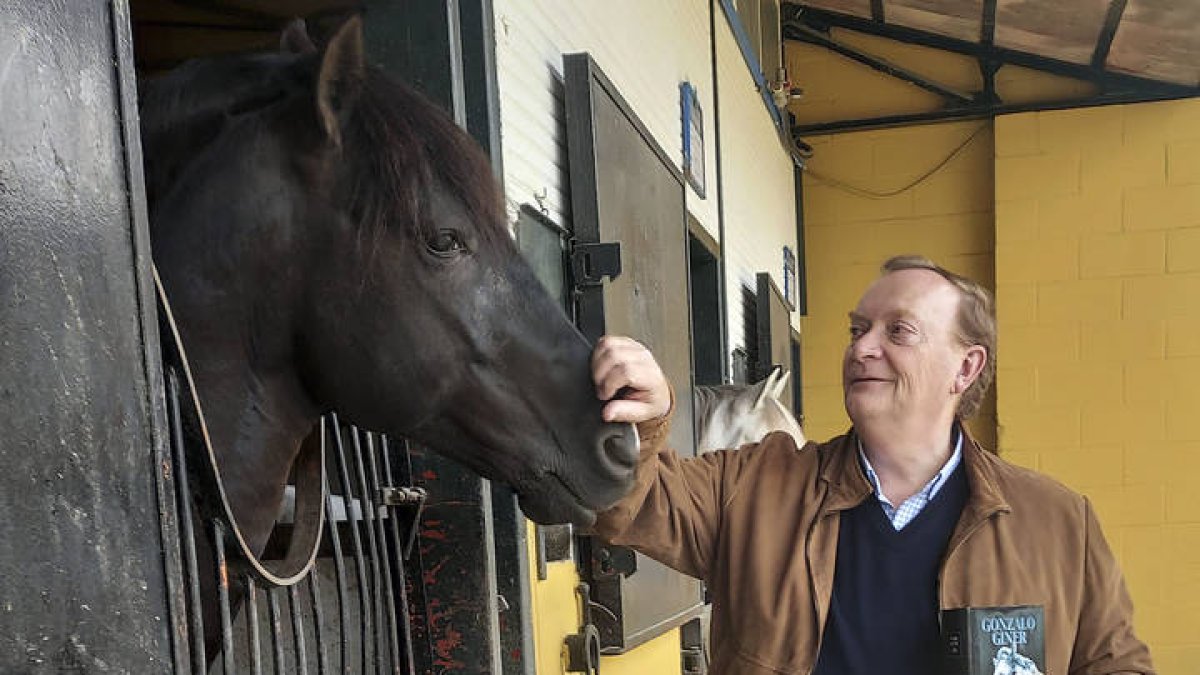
(673, 512)
(1105, 643)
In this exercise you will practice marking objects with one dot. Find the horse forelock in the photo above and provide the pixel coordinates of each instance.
(398, 147)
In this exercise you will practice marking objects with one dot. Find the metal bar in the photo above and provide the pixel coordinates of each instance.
(184, 494)
(276, 630)
(252, 622)
(339, 570)
(298, 630)
(987, 71)
(223, 597)
(806, 34)
(367, 502)
(1116, 9)
(987, 23)
(877, 11)
(356, 542)
(971, 112)
(318, 623)
(266, 29)
(381, 537)
(820, 19)
(398, 552)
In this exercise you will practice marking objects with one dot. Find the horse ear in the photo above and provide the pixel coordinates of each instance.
(295, 39)
(780, 384)
(762, 389)
(340, 79)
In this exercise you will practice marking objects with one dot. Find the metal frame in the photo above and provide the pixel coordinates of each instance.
(747, 48)
(812, 25)
(803, 33)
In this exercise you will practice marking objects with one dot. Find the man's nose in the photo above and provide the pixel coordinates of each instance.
(866, 346)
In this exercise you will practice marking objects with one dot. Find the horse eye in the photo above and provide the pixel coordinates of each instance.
(446, 242)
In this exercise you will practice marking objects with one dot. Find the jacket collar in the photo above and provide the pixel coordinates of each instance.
(848, 487)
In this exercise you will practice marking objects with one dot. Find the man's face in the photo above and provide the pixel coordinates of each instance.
(904, 359)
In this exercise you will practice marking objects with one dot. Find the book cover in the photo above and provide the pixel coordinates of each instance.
(994, 640)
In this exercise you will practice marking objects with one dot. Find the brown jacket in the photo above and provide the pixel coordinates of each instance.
(760, 526)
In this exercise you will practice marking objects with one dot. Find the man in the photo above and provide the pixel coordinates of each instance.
(836, 558)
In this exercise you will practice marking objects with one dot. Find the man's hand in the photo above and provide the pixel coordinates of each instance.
(628, 377)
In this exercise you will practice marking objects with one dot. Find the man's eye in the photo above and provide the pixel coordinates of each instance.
(857, 332)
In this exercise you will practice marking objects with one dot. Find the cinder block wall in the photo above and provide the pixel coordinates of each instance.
(849, 231)
(1098, 289)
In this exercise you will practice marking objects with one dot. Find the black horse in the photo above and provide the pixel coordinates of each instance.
(331, 241)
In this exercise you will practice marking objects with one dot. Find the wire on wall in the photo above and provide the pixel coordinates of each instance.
(874, 194)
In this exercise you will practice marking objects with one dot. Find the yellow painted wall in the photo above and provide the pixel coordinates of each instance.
(556, 615)
(848, 233)
(1098, 283)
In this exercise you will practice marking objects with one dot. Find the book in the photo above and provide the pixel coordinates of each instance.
(994, 640)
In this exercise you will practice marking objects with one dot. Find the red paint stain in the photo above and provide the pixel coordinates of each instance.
(445, 646)
(430, 575)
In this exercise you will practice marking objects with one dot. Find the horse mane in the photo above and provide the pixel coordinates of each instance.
(397, 146)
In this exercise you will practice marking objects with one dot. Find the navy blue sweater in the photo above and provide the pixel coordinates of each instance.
(884, 614)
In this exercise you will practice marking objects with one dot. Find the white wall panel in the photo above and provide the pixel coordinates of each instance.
(758, 184)
(647, 48)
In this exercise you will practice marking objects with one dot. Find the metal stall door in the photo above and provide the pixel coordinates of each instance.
(625, 190)
(82, 584)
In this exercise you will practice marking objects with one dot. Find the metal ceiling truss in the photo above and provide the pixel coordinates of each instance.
(812, 25)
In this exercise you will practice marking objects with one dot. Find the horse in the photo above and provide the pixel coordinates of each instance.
(329, 240)
(732, 415)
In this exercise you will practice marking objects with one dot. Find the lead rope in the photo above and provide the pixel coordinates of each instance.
(309, 471)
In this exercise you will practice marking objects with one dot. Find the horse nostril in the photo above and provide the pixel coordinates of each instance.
(619, 446)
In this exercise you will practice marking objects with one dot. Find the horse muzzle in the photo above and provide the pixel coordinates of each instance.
(579, 495)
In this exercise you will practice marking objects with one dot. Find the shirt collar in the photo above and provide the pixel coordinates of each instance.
(932, 487)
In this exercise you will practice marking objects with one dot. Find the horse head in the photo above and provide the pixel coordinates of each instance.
(731, 415)
(332, 241)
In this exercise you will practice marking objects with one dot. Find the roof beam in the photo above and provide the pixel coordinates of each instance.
(806, 34)
(1116, 9)
(976, 111)
(820, 19)
(987, 37)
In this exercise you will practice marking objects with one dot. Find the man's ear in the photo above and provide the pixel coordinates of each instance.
(969, 368)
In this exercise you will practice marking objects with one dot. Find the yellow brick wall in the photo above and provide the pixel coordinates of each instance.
(1098, 292)
(848, 233)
